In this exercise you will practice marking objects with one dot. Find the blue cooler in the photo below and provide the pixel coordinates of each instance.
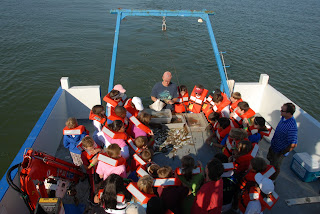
(305, 167)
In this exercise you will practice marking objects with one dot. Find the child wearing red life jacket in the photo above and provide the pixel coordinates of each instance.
(90, 150)
(222, 130)
(114, 133)
(258, 196)
(242, 157)
(242, 115)
(113, 195)
(118, 113)
(182, 103)
(99, 119)
(170, 189)
(191, 176)
(142, 191)
(140, 160)
(111, 162)
(137, 145)
(213, 120)
(235, 98)
(230, 142)
(258, 130)
(72, 136)
(197, 98)
(133, 106)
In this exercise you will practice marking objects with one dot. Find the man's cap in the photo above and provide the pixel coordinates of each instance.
(135, 208)
(137, 103)
(265, 184)
(119, 88)
(198, 90)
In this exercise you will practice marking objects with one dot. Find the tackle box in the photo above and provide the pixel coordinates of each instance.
(305, 167)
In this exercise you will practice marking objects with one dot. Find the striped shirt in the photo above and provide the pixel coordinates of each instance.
(286, 134)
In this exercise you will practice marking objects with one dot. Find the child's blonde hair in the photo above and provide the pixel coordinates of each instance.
(71, 123)
(141, 141)
(145, 184)
(114, 151)
(165, 172)
(87, 142)
(144, 117)
(238, 134)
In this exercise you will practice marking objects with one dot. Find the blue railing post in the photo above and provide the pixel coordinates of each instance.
(224, 84)
(114, 52)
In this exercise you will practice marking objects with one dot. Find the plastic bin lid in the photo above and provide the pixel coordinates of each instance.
(312, 164)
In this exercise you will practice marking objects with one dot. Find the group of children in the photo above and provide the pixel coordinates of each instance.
(118, 157)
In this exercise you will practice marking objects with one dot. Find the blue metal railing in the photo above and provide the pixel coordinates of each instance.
(203, 14)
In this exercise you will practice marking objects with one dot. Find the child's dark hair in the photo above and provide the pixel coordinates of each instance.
(97, 109)
(217, 98)
(182, 88)
(153, 170)
(146, 155)
(222, 157)
(144, 118)
(244, 106)
(215, 169)
(187, 165)
(224, 122)
(114, 94)
(165, 172)
(141, 141)
(236, 95)
(258, 164)
(120, 111)
(114, 151)
(113, 185)
(261, 122)
(244, 147)
(115, 125)
(214, 116)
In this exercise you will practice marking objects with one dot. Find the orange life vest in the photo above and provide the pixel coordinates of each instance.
(112, 116)
(163, 182)
(130, 109)
(120, 197)
(140, 125)
(112, 102)
(143, 198)
(87, 154)
(210, 106)
(130, 142)
(76, 131)
(249, 177)
(243, 162)
(230, 144)
(111, 161)
(234, 105)
(237, 118)
(138, 159)
(182, 103)
(195, 171)
(95, 117)
(252, 131)
(141, 171)
(221, 133)
(113, 134)
(195, 104)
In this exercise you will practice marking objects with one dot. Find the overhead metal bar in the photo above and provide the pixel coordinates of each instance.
(203, 14)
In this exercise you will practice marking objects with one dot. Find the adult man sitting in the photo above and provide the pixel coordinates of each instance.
(166, 91)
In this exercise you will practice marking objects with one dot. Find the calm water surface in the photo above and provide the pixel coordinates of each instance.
(41, 41)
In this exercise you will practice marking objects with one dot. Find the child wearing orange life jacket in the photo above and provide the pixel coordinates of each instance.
(172, 195)
(112, 195)
(191, 176)
(221, 104)
(114, 133)
(142, 191)
(72, 136)
(223, 129)
(258, 130)
(138, 145)
(98, 117)
(89, 159)
(140, 160)
(242, 157)
(182, 103)
(133, 106)
(258, 196)
(235, 98)
(213, 120)
(113, 98)
(197, 98)
(111, 162)
(118, 113)
(242, 115)
(230, 141)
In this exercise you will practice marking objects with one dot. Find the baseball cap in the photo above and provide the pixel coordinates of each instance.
(135, 208)
(137, 103)
(198, 90)
(265, 184)
(119, 88)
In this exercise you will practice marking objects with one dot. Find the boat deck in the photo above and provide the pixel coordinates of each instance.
(288, 185)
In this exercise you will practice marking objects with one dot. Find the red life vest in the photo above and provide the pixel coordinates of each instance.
(182, 103)
(95, 117)
(228, 166)
(230, 144)
(76, 131)
(130, 109)
(113, 134)
(207, 106)
(249, 177)
(140, 125)
(195, 171)
(87, 154)
(138, 159)
(252, 131)
(130, 142)
(195, 104)
(243, 162)
(112, 102)
(224, 103)
(143, 198)
(112, 115)
(221, 133)
(163, 182)
(237, 118)
(111, 161)
(141, 171)
(234, 105)
(214, 125)
(120, 197)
